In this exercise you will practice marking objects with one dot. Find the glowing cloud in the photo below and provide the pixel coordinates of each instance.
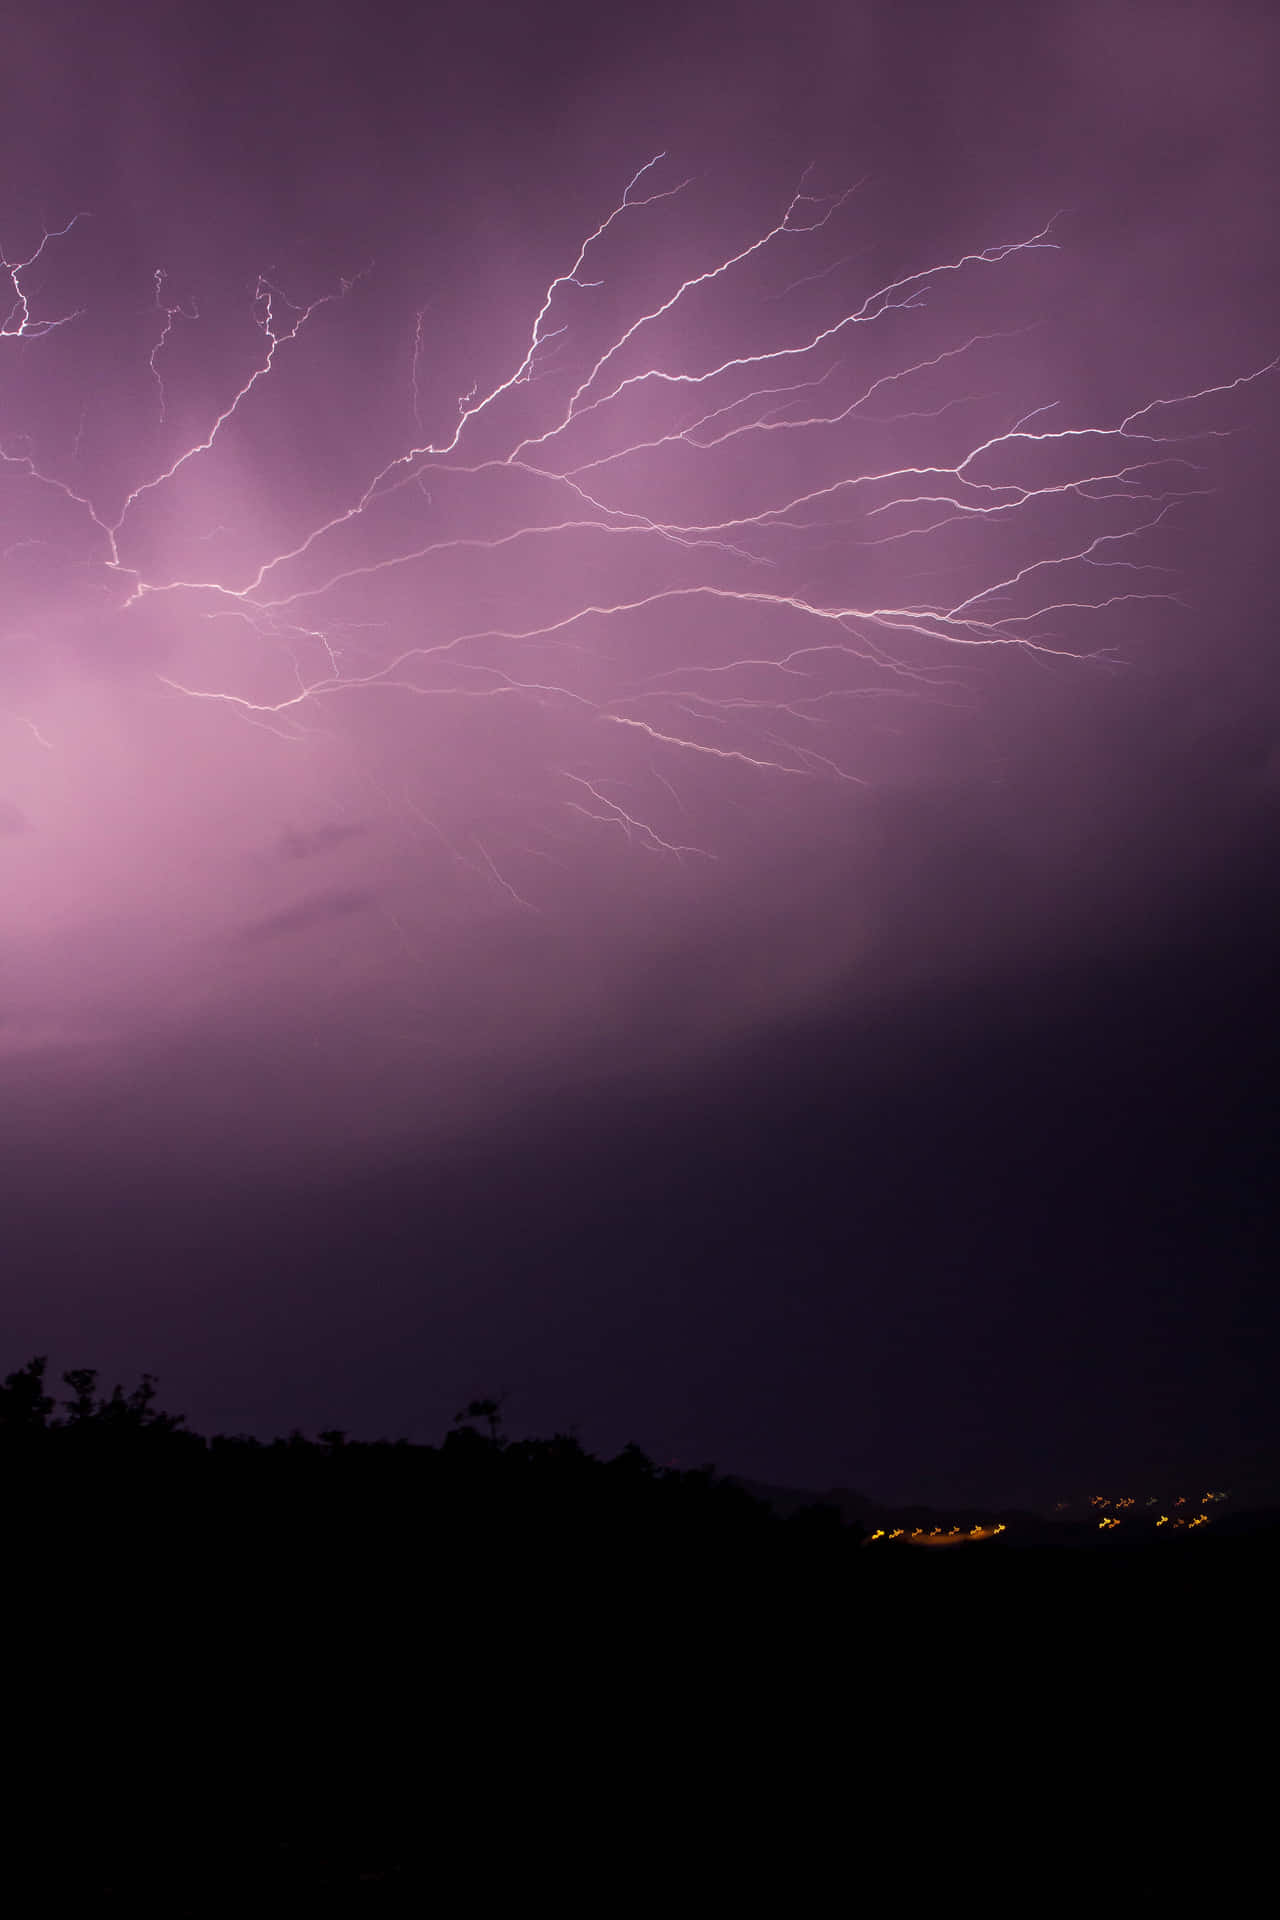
(715, 523)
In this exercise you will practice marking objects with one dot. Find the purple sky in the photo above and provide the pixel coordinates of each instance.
(680, 881)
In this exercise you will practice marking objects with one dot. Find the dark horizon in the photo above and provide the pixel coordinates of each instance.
(760, 946)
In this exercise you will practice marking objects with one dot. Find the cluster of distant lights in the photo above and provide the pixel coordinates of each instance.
(1179, 1520)
(938, 1536)
(957, 1536)
(1110, 1521)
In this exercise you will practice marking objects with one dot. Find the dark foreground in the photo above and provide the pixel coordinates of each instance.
(319, 1677)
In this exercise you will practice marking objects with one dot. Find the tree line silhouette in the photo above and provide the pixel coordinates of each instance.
(118, 1459)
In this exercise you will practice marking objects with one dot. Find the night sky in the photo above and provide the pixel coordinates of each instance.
(639, 727)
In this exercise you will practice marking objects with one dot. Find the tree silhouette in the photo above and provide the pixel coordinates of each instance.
(136, 1412)
(24, 1405)
(490, 1411)
(82, 1382)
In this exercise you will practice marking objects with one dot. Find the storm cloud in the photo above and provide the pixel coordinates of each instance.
(689, 531)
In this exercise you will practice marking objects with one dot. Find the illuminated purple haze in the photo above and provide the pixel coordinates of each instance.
(523, 569)
(420, 706)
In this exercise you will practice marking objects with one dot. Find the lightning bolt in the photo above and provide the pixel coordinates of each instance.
(653, 537)
(19, 322)
(169, 315)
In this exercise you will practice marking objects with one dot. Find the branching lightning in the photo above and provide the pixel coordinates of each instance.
(650, 543)
(20, 321)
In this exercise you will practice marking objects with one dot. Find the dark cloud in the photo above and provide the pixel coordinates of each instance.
(317, 910)
(303, 843)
